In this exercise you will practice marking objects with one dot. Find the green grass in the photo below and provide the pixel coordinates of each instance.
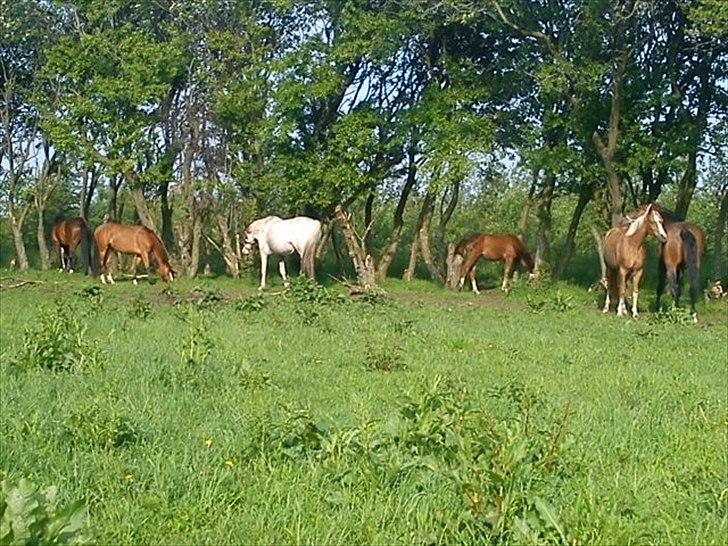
(198, 412)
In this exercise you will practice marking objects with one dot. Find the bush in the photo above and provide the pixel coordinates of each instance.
(57, 341)
(31, 516)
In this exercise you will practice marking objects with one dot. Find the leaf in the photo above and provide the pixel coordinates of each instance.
(549, 516)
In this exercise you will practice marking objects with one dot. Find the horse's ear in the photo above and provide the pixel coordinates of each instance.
(634, 225)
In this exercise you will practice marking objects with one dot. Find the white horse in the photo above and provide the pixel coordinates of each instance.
(283, 237)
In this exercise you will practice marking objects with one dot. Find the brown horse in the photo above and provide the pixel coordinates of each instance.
(67, 235)
(681, 253)
(137, 240)
(504, 248)
(625, 254)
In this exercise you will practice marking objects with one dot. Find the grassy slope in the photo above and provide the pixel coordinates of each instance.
(643, 456)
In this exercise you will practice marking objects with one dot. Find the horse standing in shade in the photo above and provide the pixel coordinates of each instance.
(67, 235)
(505, 248)
(625, 254)
(137, 240)
(682, 253)
(281, 238)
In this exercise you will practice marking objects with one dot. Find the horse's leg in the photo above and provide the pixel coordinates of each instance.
(621, 289)
(263, 268)
(105, 264)
(472, 281)
(635, 291)
(661, 274)
(134, 265)
(673, 282)
(70, 255)
(507, 269)
(677, 291)
(468, 266)
(607, 302)
(145, 261)
(282, 271)
(63, 258)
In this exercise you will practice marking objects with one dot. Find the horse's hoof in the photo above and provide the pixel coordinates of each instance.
(70, 270)
(135, 282)
(605, 311)
(695, 318)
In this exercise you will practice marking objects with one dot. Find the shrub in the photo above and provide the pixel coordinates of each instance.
(31, 516)
(57, 341)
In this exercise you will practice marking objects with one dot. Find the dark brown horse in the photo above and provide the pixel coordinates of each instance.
(67, 235)
(136, 240)
(682, 253)
(505, 248)
(624, 255)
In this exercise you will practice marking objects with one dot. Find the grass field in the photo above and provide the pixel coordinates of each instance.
(200, 412)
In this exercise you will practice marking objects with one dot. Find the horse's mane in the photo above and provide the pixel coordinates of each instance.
(667, 214)
(464, 243)
(160, 252)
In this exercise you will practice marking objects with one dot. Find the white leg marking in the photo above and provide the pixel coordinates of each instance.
(621, 308)
(475, 285)
(282, 271)
(635, 295)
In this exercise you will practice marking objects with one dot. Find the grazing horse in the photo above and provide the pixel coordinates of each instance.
(625, 254)
(67, 235)
(681, 253)
(283, 237)
(504, 248)
(137, 240)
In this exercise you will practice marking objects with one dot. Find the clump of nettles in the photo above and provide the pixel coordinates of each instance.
(57, 341)
(29, 515)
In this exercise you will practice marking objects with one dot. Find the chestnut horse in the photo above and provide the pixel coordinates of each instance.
(624, 255)
(137, 240)
(504, 248)
(681, 253)
(67, 235)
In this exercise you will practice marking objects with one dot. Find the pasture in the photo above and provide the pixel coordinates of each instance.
(200, 412)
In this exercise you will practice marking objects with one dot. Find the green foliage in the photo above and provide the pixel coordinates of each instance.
(57, 341)
(29, 515)
(308, 292)
(250, 304)
(93, 424)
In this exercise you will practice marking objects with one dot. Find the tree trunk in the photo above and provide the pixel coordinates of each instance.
(453, 265)
(112, 212)
(45, 259)
(526, 211)
(166, 210)
(141, 205)
(686, 186)
(607, 151)
(428, 208)
(16, 224)
(368, 219)
(445, 218)
(363, 262)
(409, 273)
(585, 196)
(719, 269)
(228, 251)
(398, 223)
(543, 247)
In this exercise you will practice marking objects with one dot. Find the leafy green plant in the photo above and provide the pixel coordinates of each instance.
(307, 291)
(671, 315)
(29, 515)
(140, 309)
(92, 424)
(383, 356)
(207, 297)
(250, 304)
(57, 341)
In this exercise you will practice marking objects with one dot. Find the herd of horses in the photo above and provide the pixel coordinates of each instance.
(622, 251)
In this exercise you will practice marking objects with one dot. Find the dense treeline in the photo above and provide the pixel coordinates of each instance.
(401, 123)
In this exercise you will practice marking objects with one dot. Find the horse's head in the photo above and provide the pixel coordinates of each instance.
(653, 220)
(167, 273)
(248, 240)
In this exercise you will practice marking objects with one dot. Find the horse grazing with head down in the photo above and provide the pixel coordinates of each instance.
(624, 255)
(67, 235)
(279, 237)
(681, 253)
(137, 240)
(506, 248)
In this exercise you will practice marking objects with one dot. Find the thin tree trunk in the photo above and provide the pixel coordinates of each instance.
(228, 251)
(543, 248)
(368, 219)
(363, 262)
(16, 224)
(719, 269)
(585, 196)
(398, 223)
(45, 259)
(141, 205)
(686, 186)
(166, 210)
(112, 212)
(522, 228)
(424, 238)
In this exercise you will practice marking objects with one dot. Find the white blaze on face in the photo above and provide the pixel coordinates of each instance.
(657, 218)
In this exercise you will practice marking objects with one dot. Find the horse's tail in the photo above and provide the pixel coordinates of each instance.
(308, 259)
(692, 264)
(88, 244)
